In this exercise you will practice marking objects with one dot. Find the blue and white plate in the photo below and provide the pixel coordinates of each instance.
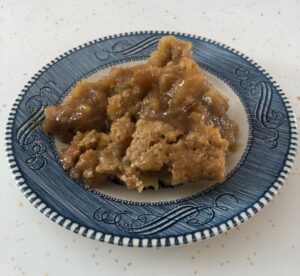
(169, 216)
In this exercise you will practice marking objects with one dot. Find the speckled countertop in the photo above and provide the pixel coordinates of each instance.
(34, 32)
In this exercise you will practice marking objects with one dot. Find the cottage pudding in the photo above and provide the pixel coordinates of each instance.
(160, 121)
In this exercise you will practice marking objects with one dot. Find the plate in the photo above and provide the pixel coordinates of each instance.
(170, 216)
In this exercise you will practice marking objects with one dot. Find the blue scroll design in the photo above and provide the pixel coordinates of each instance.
(269, 119)
(127, 48)
(29, 133)
(147, 224)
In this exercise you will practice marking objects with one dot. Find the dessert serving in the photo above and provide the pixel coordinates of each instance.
(158, 121)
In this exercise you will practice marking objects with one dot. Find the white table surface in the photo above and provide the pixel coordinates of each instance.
(34, 32)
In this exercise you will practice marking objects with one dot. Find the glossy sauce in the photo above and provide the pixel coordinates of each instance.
(161, 119)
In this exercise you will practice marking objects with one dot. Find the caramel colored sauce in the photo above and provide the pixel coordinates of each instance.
(158, 121)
